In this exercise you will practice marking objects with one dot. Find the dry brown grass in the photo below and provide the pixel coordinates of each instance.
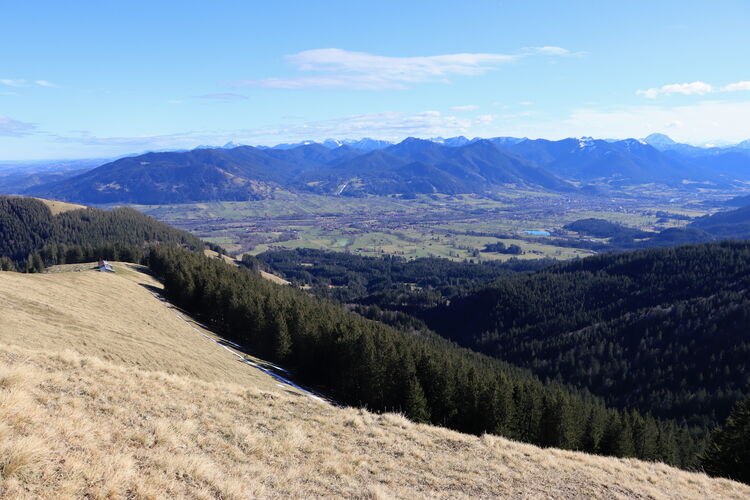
(58, 207)
(276, 279)
(229, 260)
(216, 255)
(114, 317)
(74, 425)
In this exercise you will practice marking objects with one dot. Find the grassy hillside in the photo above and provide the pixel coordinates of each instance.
(114, 317)
(106, 393)
(58, 207)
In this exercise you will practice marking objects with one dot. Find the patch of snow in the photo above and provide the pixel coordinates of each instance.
(247, 361)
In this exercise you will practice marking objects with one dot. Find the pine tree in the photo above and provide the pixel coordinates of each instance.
(645, 437)
(75, 255)
(367, 373)
(282, 341)
(412, 399)
(666, 443)
(593, 431)
(618, 436)
(29, 267)
(556, 423)
(6, 264)
(38, 262)
(505, 410)
(728, 453)
(415, 405)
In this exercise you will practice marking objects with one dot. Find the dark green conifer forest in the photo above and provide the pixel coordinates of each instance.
(665, 331)
(32, 238)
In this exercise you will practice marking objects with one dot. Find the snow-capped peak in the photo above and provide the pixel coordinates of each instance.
(332, 143)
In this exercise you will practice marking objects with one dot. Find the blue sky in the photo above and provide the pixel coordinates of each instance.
(96, 79)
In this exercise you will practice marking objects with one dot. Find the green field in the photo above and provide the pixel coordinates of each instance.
(455, 227)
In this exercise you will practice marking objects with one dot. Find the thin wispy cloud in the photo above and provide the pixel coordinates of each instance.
(223, 96)
(550, 50)
(13, 82)
(336, 68)
(467, 107)
(387, 125)
(694, 88)
(14, 128)
(519, 114)
(484, 119)
(20, 82)
(125, 144)
(46, 83)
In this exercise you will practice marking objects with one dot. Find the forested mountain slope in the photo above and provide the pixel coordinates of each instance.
(420, 166)
(731, 224)
(628, 161)
(247, 173)
(347, 277)
(29, 230)
(665, 331)
(241, 173)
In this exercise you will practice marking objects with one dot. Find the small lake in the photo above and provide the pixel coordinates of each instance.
(535, 232)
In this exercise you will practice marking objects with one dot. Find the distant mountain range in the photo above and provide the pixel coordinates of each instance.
(244, 173)
(661, 142)
(365, 144)
(725, 163)
(413, 166)
(18, 176)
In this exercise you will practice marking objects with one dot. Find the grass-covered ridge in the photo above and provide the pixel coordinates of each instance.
(140, 405)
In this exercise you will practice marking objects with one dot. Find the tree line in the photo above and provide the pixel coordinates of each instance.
(367, 363)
